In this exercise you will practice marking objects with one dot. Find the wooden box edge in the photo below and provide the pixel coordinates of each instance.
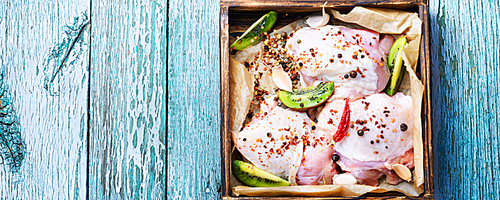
(425, 76)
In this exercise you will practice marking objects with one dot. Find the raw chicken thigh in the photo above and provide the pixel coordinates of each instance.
(351, 58)
(272, 141)
(380, 135)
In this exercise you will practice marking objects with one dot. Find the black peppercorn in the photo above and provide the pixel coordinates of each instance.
(247, 65)
(353, 74)
(335, 157)
(313, 127)
(346, 75)
(340, 55)
(311, 50)
(403, 127)
(301, 104)
(266, 48)
(361, 132)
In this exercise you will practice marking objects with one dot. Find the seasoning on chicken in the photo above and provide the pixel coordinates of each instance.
(380, 135)
(273, 140)
(353, 59)
(317, 166)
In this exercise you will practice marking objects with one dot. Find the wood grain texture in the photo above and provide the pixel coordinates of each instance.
(128, 100)
(194, 168)
(425, 76)
(36, 39)
(225, 99)
(465, 86)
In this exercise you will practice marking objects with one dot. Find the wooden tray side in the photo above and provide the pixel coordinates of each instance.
(425, 76)
(224, 85)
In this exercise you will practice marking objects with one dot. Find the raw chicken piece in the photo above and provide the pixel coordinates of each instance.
(368, 172)
(272, 141)
(317, 166)
(386, 43)
(331, 53)
(385, 136)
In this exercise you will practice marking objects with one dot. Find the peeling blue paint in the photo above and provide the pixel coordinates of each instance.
(65, 53)
(12, 146)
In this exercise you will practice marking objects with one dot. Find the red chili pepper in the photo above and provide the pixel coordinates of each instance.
(344, 123)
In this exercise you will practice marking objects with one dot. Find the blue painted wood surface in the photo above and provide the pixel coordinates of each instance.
(44, 80)
(127, 126)
(465, 85)
(83, 99)
(49, 61)
(193, 100)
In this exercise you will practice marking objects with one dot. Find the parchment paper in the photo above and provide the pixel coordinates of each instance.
(388, 21)
(241, 89)
(385, 21)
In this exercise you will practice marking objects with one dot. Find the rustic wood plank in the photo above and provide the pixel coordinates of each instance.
(44, 90)
(465, 83)
(225, 98)
(425, 76)
(128, 100)
(194, 168)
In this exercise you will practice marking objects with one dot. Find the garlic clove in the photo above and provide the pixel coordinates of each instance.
(402, 171)
(317, 20)
(281, 79)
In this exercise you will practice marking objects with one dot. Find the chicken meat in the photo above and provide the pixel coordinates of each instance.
(380, 135)
(352, 58)
(273, 140)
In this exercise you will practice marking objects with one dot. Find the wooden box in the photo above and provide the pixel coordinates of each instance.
(243, 13)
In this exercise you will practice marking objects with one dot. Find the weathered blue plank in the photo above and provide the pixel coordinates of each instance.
(465, 82)
(128, 100)
(44, 80)
(193, 100)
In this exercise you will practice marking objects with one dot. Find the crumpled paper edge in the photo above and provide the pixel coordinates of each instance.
(417, 91)
(323, 190)
(393, 22)
(241, 90)
(410, 26)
